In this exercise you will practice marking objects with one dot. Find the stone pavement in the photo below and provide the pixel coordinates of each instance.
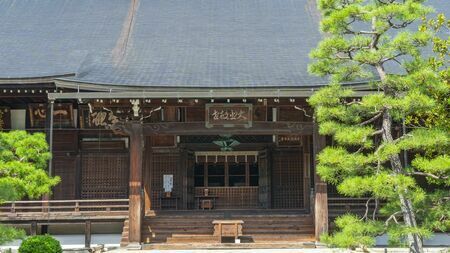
(323, 250)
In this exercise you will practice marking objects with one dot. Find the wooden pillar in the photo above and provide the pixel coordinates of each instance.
(265, 169)
(135, 194)
(44, 229)
(306, 152)
(147, 174)
(87, 234)
(33, 230)
(320, 189)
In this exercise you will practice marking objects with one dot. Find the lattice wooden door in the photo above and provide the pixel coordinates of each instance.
(188, 180)
(66, 168)
(104, 175)
(287, 179)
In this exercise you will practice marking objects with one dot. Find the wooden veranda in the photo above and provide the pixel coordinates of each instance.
(46, 212)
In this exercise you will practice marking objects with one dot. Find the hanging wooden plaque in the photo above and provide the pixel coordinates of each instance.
(62, 115)
(99, 117)
(229, 115)
(5, 118)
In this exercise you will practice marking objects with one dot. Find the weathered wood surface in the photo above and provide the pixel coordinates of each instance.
(321, 195)
(136, 191)
(263, 225)
(199, 128)
(64, 210)
(342, 205)
(227, 228)
(87, 234)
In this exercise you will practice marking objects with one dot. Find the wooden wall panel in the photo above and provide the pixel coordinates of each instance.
(65, 141)
(163, 141)
(289, 113)
(66, 168)
(287, 179)
(195, 114)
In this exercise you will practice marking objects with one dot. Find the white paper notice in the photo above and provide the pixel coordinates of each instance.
(168, 183)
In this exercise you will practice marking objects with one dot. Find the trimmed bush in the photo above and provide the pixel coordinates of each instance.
(40, 244)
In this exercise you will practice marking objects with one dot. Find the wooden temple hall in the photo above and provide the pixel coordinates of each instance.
(184, 121)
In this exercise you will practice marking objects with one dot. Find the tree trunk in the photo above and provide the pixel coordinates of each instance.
(414, 240)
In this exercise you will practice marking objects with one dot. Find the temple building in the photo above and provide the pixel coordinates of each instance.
(167, 115)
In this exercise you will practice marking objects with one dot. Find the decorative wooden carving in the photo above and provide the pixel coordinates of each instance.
(229, 115)
(5, 118)
(97, 117)
(105, 117)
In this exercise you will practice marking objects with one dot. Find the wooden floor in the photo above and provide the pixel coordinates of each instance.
(260, 226)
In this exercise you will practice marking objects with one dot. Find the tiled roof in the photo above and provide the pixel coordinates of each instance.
(161, 43)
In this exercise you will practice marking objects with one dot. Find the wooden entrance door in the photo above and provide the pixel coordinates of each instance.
(287, 179)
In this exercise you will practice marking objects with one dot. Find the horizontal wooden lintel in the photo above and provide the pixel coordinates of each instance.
(199, 128)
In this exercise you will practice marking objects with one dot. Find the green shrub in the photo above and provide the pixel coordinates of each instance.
(40, 244)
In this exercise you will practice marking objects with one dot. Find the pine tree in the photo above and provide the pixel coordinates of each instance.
(23, 160)
(380, 41)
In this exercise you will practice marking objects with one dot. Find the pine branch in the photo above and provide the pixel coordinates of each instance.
(367, 209)
(354, 102)
(392, 217)
(378, 115)
(375, 209)
(377, 132)
(398, 26)
(392, 58)
(418, 173)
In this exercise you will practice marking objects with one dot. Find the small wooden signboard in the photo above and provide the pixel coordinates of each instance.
(229, 115)
(289, 140)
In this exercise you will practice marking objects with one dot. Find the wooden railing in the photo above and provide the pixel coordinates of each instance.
(341, 205)
(240, 197)
(60, 208)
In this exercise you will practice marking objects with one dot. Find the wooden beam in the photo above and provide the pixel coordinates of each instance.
(321, 197)
(199, 128)
(134, 130)
(118, 91)
(87, 234)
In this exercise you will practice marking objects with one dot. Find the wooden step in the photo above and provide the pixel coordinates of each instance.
(196, 226)
(183, 238)
(282, 238)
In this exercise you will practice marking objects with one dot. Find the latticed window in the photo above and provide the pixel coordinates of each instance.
(226, 174)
